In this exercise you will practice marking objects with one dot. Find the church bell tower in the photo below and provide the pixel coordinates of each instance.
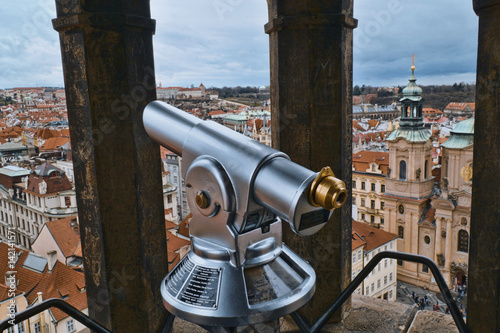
(409, 183)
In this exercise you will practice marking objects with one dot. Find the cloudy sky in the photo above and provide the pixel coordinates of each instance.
(222, 42)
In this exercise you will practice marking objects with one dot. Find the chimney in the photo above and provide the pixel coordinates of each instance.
(51, 259)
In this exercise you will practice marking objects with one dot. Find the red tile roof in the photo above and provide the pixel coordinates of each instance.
(429, 215)
(55, 183)
(362, 160)
(356, 241)
(184, 226)
(61, 281)
(175, 243)
(66, 234)
(53, 144)
(170, 224)
(372, 236)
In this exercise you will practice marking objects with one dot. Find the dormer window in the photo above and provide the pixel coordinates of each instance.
(55, 174)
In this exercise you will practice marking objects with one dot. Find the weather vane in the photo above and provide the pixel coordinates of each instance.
(413, 61)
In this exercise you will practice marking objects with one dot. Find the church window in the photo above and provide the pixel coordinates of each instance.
(463, 241)
(373, 186)
(427, 240)
(426, 170)
(401, 232)
(402, 170)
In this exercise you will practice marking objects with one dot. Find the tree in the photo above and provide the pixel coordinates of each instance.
(356, 91)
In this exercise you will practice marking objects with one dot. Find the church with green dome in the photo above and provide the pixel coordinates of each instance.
(429, 220)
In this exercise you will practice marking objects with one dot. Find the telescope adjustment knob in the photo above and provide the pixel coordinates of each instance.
(327, 191)
(202, 200)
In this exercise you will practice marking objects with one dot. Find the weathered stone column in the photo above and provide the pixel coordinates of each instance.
(438, 239)
(483, 311)
(109, 77)
(311, 104)
(448, 250)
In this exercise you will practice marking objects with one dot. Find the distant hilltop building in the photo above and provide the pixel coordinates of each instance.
(186, 93)
(375, 111)
(455, 109)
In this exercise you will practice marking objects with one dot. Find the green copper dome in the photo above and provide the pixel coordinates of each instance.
(464, 127)
(462, 136)
(412, 91)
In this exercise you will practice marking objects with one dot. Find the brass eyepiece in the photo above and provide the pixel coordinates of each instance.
(327, 191)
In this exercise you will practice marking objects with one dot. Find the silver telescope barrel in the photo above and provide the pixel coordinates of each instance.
(261, 176)
(168, 125)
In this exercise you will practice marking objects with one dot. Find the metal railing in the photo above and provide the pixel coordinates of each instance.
(56, 303)
(301, 323)
(450, 302)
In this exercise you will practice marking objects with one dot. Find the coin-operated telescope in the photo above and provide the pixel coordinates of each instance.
(239, 272)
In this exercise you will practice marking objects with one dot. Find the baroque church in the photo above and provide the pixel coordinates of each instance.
(428, 220)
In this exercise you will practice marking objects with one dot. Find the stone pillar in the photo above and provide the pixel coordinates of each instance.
(448, 251)
(410, 166)
(393, 222)
(438, 239)
(483, 299)
(311, 102)
(107, 55)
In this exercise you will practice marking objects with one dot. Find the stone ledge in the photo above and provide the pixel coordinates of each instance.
(368, 314)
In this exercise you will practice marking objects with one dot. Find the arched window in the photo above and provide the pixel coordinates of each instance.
(402, 170)
(426, 170)
(463, 241)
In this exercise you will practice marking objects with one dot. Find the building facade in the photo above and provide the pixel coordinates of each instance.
(368, 242)
(30, 199)
(452, 205)
(368, 184)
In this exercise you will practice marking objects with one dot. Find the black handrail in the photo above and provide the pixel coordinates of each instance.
(452, 305)
(61, 305)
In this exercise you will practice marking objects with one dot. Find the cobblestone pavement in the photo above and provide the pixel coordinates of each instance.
(405, 295)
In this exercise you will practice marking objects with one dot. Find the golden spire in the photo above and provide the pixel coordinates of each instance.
(413, 62)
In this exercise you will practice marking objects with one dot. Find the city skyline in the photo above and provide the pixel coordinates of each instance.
(222, 43)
